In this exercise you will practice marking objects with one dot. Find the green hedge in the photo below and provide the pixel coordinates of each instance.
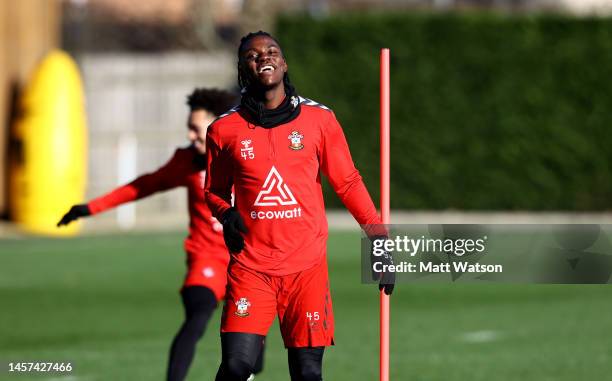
(488, 112)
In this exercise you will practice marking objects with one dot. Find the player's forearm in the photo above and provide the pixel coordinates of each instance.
(112, 199)
(218, 202)
(142, 187)
(218, 185)
(354, 195)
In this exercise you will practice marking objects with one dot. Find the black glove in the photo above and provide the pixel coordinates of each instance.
(386, 279)
(233, 225)
(76, 212)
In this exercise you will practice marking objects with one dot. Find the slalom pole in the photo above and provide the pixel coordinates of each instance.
(385, 149)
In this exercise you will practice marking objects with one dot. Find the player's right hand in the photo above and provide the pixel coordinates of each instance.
(233, 225)
(76, 212)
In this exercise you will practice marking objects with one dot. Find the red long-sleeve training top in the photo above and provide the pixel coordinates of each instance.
(181, 170)
(275, 173)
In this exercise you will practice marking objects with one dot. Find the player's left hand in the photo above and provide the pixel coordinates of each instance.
(387, 282)
(386, 279)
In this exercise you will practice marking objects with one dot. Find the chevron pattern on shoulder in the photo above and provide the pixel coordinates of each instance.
(310, 102)
(229, 112)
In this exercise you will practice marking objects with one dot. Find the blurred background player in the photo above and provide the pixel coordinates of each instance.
(272, 149)
(207, 256)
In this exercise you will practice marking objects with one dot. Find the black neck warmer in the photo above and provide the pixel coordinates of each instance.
(257, 114)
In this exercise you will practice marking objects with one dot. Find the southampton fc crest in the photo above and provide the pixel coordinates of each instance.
(242, 307)
(296, 140)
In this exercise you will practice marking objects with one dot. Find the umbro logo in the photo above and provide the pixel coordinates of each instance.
(274, 191)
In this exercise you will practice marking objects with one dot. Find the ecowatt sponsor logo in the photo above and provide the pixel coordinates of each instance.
(275, 192)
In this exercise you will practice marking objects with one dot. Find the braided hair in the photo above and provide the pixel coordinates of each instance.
(243, 78)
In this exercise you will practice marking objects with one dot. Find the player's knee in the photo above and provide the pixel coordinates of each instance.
(305, 364)
(236, 369)
(309, 372)
(310, 375)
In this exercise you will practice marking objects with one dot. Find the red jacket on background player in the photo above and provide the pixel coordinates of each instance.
(182, 170)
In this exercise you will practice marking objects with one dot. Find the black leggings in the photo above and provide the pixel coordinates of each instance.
(199, 303)
(305, 363)
(240, 352)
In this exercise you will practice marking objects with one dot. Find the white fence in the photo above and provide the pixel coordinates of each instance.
(136, 118)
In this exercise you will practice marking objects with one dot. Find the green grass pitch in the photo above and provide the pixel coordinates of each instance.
(110, 304)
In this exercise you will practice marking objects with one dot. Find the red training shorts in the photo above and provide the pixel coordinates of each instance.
(302, 302)
(210, 273)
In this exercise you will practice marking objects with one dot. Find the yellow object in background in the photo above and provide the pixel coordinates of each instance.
(48, 160)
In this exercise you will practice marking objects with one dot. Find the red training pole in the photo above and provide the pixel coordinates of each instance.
(385, 150)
